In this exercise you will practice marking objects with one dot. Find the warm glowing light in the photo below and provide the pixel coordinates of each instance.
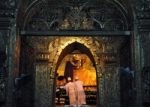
(86, 72)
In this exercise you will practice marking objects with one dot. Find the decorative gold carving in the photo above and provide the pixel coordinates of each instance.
(65, 24)
(43, 57)
(109, 59)
(84, 24)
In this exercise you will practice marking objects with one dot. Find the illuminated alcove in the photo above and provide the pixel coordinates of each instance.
(76, 60)
(83, 69)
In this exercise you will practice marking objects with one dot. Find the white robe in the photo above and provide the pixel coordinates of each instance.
(70, 89)
(81, 98)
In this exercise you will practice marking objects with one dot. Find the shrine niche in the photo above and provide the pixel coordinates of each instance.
(93, 57)
(78, 64)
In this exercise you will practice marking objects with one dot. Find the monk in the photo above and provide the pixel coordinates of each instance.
(70, 90)
(81, 98)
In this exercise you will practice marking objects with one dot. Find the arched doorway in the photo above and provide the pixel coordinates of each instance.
(101, 51)
(88, 14)
(77, 61)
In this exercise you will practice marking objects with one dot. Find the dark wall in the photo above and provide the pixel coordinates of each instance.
(125, 53)
(145, 42)
(25, 86)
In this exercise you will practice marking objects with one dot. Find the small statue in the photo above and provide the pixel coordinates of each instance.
(65, 24)
(86, 24)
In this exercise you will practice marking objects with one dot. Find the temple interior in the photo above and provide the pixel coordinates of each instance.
(47, 44)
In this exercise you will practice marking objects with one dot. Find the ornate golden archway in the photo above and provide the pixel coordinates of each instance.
(102, 53)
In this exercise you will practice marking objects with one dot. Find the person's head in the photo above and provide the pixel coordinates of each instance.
(69, 79)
